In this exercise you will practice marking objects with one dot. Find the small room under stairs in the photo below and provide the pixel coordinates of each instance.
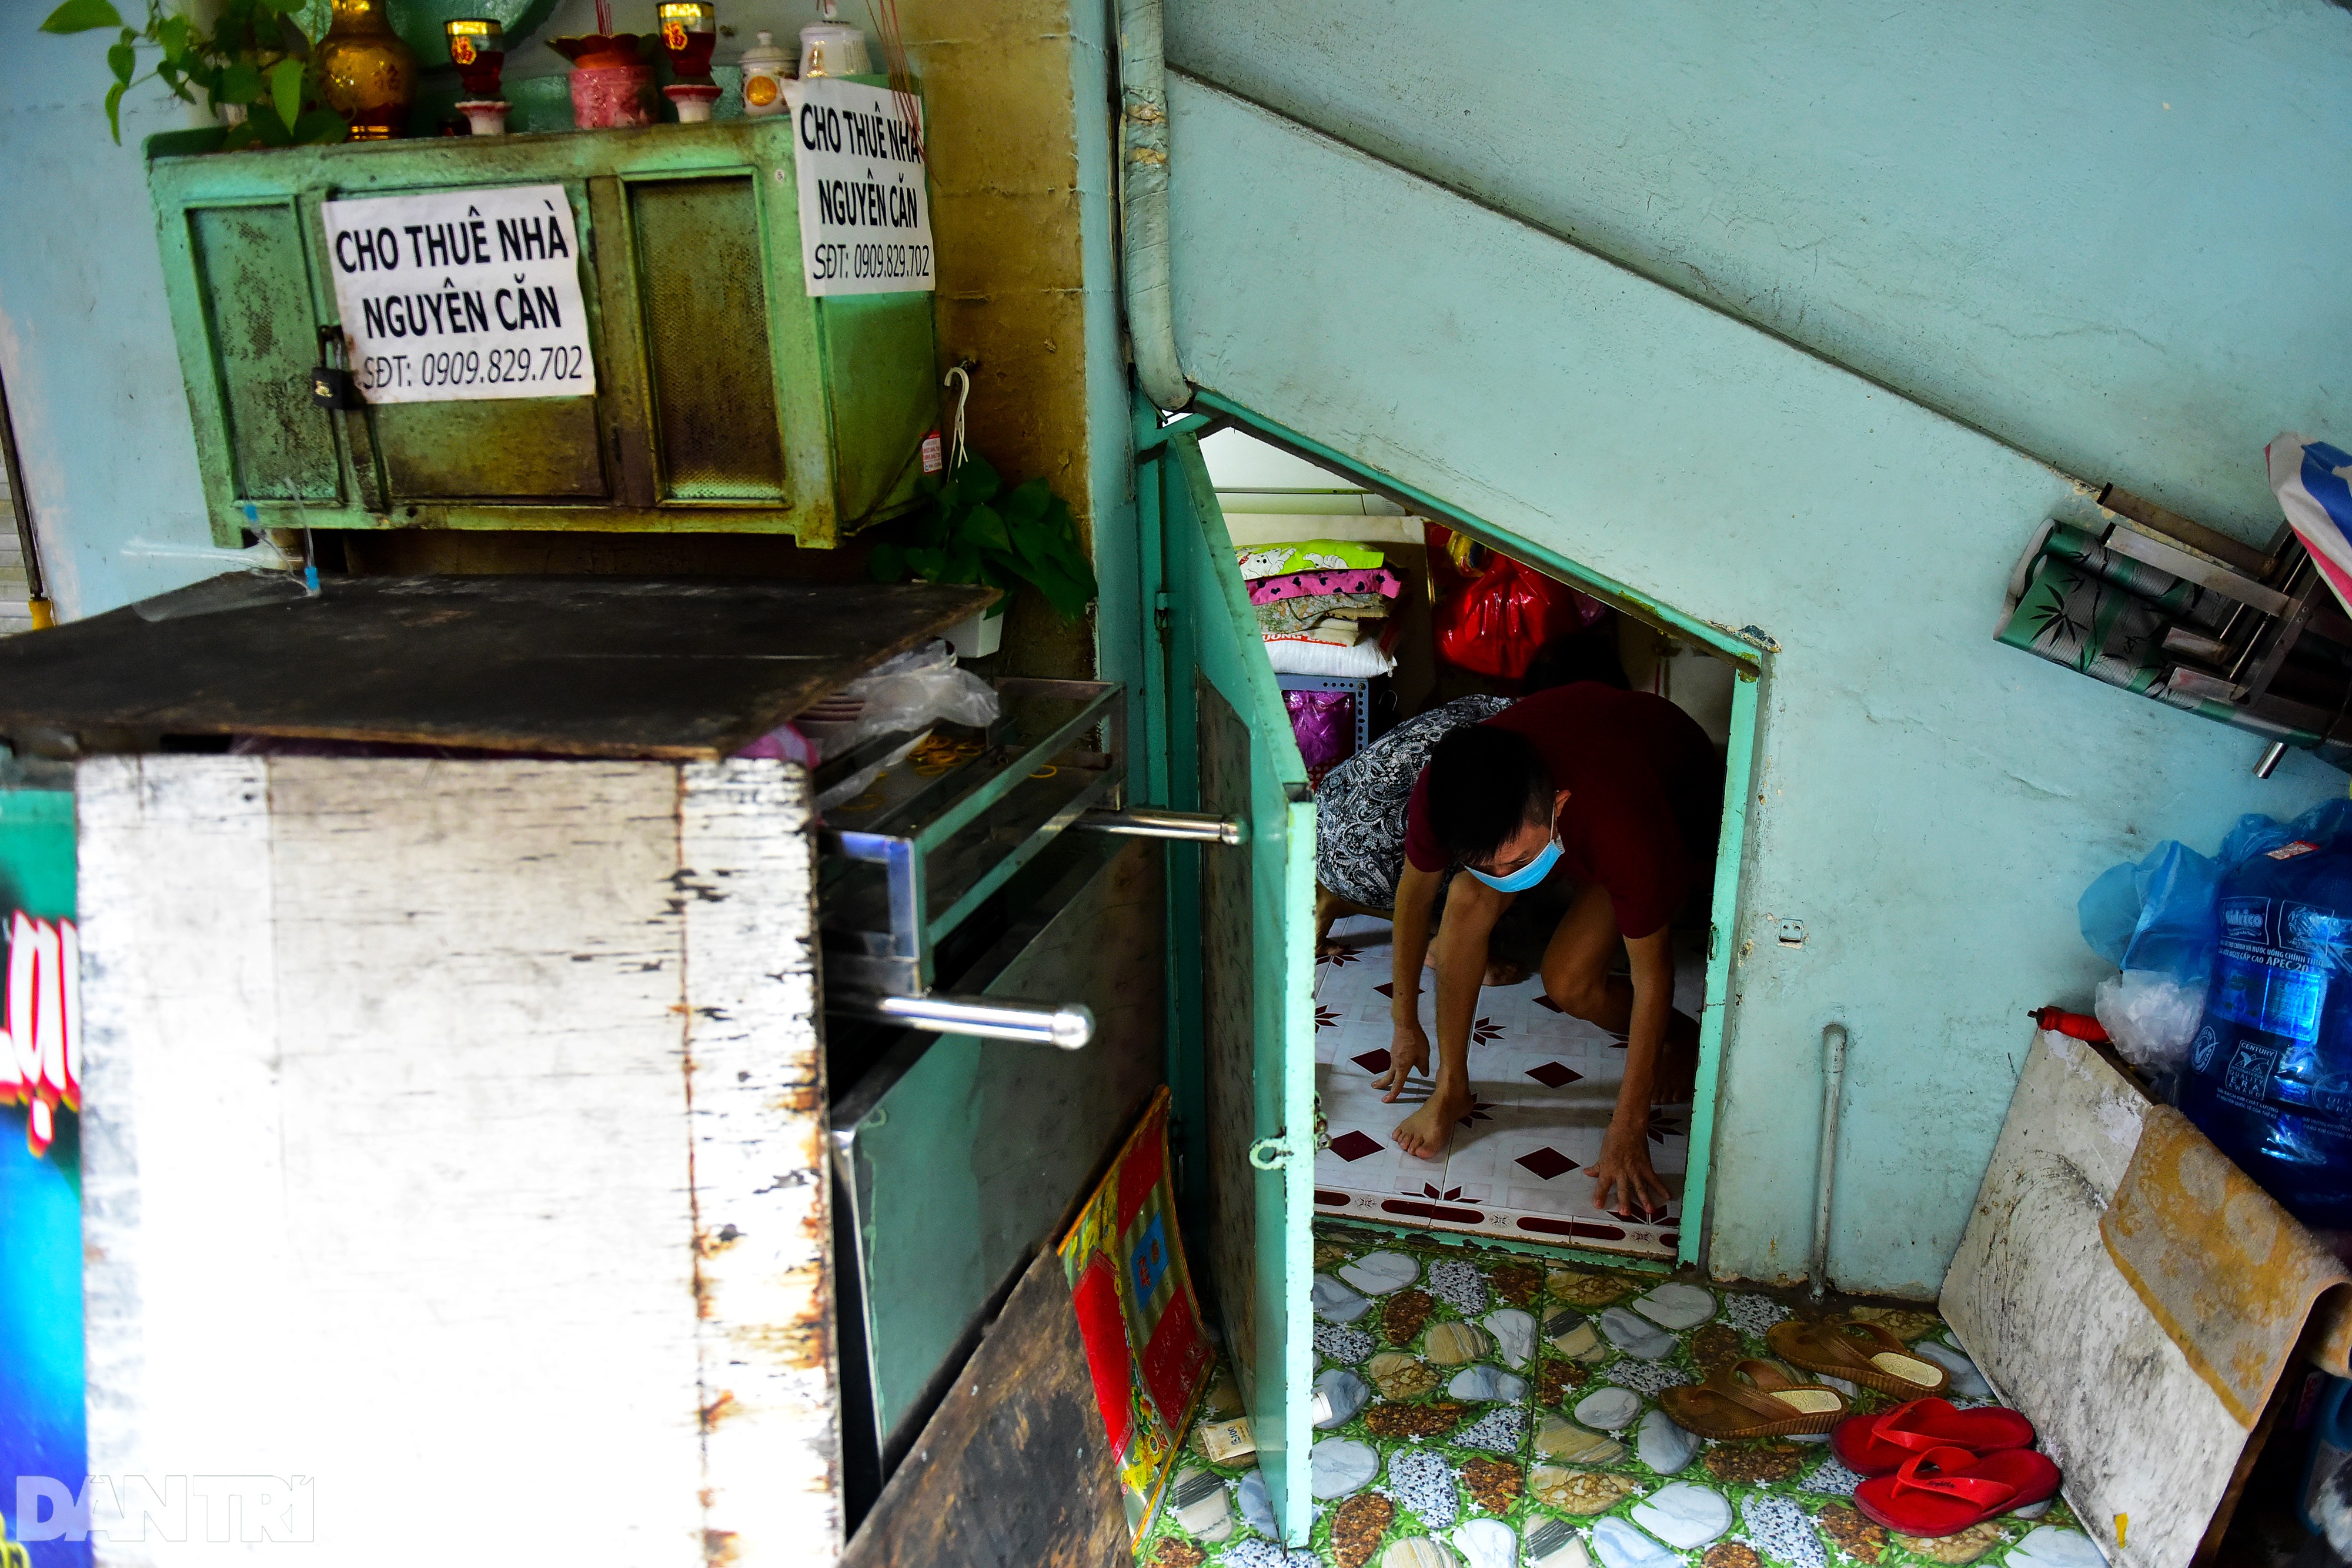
(1546, 1085)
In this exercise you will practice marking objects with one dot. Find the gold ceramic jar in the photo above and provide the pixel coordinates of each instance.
(366, 73)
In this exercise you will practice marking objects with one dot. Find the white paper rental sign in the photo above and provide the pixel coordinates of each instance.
(461, 294)
(866, 210)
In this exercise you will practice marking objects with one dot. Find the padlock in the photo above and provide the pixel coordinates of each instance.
(332, 386)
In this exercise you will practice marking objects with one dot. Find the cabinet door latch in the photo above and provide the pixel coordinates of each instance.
(1163, 615)
(1271, 1154)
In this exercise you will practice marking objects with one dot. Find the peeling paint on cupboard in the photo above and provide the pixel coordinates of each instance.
(451, 1139)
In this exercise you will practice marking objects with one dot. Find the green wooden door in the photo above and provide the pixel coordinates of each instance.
(1244, 924)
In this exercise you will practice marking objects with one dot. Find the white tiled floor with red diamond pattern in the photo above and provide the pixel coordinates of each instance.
(1545, 1083)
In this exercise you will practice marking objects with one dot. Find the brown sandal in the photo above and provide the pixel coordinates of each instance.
(1765, 1404)
(1859, 1352)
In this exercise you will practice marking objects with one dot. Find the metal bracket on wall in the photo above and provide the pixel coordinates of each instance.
(2282, 653)
(1193, 425)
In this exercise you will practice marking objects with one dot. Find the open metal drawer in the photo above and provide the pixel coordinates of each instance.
(964, 925)
(955, 1157)
(904, 865)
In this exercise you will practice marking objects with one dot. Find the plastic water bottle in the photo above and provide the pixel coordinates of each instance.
(2270, 1070)
(2331, 1440)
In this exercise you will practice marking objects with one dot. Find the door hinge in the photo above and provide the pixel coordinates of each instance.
(1164, 614)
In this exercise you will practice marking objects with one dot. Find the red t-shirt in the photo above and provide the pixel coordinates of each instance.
(1645, 796)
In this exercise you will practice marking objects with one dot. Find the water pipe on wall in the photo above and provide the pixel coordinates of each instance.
(1143, 201)
(1832, 1095)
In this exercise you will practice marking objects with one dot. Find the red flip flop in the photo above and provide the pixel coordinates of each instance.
(1874, 1445)
(1945, 1490)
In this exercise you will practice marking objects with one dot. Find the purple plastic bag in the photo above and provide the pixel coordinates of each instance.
(1325, 723)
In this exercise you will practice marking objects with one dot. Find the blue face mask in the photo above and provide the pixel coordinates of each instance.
(1527, 876)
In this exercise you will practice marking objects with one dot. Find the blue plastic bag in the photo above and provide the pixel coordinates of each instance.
(2256, 835)
(2157, 914)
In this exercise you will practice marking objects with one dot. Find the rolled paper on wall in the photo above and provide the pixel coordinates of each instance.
(2073, 617)
(2184, 602)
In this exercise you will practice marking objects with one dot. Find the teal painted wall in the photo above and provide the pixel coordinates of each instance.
(86, 348)
(2106, 231)
(1930, 804)
(37, 852)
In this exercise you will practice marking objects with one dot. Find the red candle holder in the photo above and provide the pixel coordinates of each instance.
(689, 31)
(477, 47)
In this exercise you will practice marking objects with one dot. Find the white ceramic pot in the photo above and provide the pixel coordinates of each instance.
(766, 68)
(834, 50)
(977, 637)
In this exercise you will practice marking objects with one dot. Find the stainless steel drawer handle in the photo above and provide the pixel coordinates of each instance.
(1150, 823)
(1068, 1027)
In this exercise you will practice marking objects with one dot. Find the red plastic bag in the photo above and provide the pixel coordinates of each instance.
(1490, 619)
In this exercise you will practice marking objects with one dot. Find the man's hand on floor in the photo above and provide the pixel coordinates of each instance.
(1408, 1053)
(1623, 1181)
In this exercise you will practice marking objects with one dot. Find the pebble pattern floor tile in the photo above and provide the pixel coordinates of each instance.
(1545, 1085)
(1407, 1478)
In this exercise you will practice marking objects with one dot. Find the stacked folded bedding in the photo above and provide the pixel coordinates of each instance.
(1324, 606)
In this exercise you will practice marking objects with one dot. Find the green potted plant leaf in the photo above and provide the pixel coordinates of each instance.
(255, 63)
(978, 531)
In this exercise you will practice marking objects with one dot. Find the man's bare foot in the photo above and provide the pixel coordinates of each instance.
(1328, 907)
(1427, 1131)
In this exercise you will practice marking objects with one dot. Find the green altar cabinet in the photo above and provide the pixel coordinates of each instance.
(686, 379)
